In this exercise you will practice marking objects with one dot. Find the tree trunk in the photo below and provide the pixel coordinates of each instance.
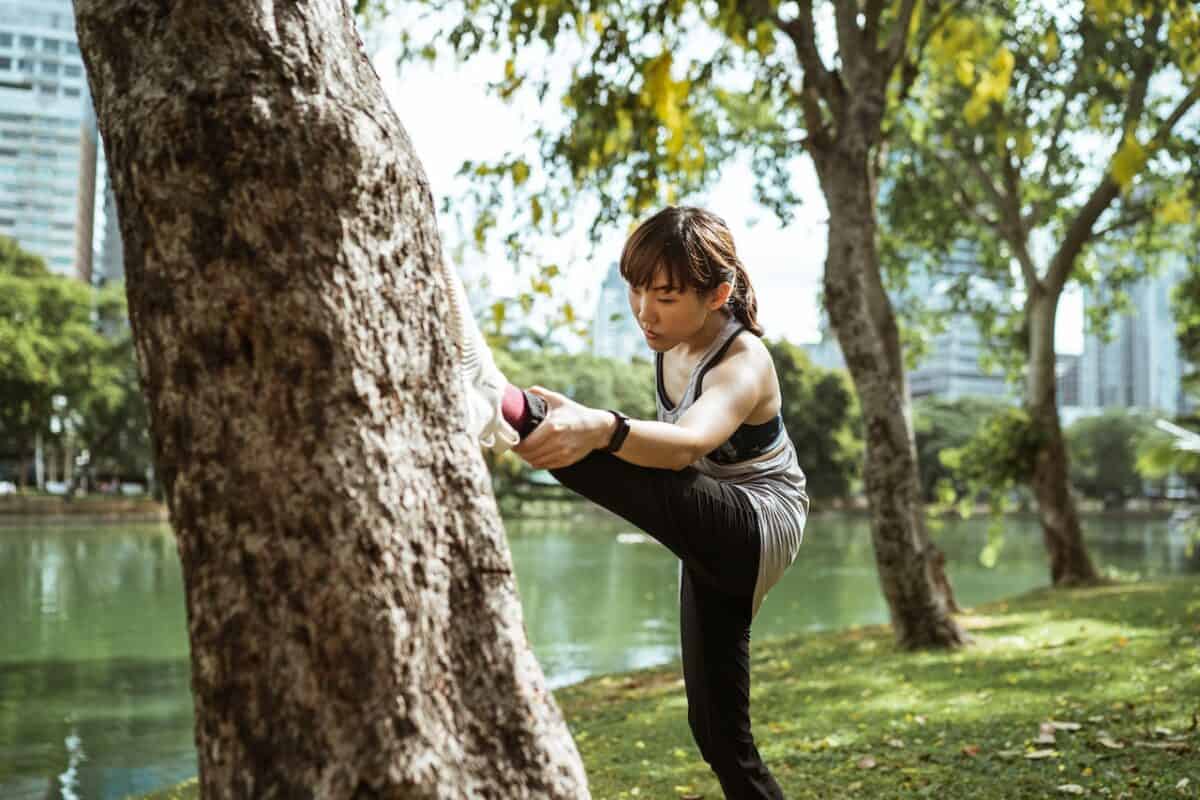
(911, 568)
(1070, 564)
(354, 623)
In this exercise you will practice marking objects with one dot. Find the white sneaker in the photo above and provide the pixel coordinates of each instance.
(482, 381)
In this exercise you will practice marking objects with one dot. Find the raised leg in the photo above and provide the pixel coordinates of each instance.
(710, 526)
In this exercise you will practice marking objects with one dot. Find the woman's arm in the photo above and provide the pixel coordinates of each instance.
(571, 430)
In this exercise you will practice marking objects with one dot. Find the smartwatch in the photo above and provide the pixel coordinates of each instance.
(618, 437)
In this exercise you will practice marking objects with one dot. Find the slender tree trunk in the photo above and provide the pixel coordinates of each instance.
(911, 568)
(1070, 563)
(354, 624)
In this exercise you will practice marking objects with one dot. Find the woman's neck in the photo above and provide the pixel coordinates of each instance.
(698, 344)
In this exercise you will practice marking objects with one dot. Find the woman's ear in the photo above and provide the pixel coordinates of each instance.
(720, 296)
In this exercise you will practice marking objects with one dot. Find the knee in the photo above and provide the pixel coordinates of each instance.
(723, 750)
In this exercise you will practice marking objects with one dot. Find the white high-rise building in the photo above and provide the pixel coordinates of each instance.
(951, 367)
(112, 252)
(1140, 365)
(615, 333)
(48, 138)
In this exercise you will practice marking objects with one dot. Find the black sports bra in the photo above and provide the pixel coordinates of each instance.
(745, 443)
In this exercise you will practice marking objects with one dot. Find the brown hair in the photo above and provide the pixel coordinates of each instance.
(695, 249)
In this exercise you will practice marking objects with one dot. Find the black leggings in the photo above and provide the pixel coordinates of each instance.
(714, 532)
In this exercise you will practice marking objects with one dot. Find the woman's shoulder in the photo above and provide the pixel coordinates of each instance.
(751, 350)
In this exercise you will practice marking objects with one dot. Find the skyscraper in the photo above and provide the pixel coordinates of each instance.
(1140, 365)
(615, 333)
(112, 252)
(951, 367)
(48, 136)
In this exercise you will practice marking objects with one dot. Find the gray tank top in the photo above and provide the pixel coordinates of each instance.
(758, 460)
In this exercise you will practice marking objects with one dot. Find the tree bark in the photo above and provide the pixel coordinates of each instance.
(1070, 564)
(354, 624)
(911, 568)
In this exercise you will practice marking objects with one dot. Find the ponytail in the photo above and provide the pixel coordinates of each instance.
(742, 301)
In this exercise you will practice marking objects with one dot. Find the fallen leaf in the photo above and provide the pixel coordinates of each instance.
(1045, 734)
(897, 743)
(1163, 732)
(866, 762)
(1183, 784)
(1071, 788)
(1178, 746)
(1110, 743)
(971, 750)
(919, 719)
(1039, 754)
(1009, 753)
(1065, 726)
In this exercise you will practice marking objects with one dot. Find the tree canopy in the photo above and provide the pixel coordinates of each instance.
(60, 338)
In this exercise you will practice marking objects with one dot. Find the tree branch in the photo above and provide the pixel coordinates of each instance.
(990, 189)
(873, 14)
(1136, 103)
(1164, 130)
(967, 204)
(1133, 217)
(850, 40)
(1018, 237)
(1054, 151)
(894, 50)
(803, 33)
(911, 67)
(1080, 231)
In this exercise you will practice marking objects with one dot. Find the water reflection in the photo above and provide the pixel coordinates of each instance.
(94, 671)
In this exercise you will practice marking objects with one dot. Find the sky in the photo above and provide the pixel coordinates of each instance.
(451, 117)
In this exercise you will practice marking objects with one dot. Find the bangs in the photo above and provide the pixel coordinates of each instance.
(652, 249)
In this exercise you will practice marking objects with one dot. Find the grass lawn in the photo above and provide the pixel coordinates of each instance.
(1086, 692)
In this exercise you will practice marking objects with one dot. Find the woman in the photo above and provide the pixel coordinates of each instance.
(714, 478)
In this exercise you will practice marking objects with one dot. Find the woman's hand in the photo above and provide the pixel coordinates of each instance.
(568, 433)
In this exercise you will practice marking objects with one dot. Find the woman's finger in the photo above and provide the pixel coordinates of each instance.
(544, 393)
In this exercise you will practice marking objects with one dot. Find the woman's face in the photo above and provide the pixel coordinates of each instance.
(667, 317)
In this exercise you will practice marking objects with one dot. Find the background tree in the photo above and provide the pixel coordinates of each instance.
(1185, 303)
(26, 354)
(52, 356)
(820, 411)
(942, 425)
(352, 613)
(109, 412)
(660, 96)
(1040, 132)
(1104, 454)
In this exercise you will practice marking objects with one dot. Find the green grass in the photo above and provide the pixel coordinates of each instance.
(846, 714)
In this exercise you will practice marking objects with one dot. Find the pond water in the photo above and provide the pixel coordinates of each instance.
(94, 670)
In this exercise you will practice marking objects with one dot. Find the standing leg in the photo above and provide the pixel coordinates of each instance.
(715, 633)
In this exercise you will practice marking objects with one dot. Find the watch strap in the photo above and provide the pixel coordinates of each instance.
(619, 434)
